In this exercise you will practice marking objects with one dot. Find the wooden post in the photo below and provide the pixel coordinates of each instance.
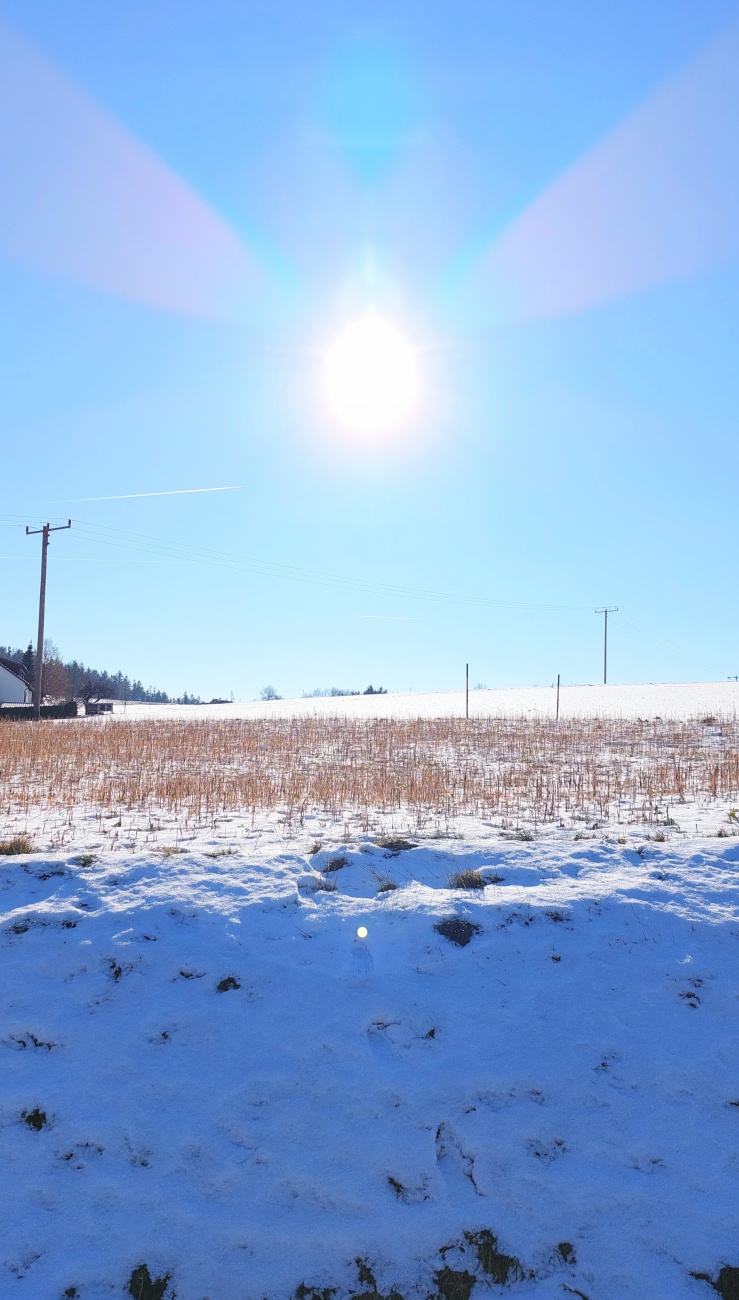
(38, 677)
(39, 666)
(608, 609)
(467, 691)
(557, 697)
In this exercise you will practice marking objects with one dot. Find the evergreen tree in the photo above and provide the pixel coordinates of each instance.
(29, 662)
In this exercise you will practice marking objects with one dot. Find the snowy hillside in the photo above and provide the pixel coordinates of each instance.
(214, 1085)
(648, 700)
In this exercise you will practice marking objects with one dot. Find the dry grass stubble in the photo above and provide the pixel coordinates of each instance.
(432, 768)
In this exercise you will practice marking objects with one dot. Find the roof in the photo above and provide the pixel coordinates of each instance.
(14, 667)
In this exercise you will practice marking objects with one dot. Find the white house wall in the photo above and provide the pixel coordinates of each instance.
(12, 689)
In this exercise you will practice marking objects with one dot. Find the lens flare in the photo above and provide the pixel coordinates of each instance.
(371, 377)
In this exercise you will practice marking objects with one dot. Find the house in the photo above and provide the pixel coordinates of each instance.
(14, 689)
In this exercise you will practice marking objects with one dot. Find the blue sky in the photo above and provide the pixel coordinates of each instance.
(543, 198)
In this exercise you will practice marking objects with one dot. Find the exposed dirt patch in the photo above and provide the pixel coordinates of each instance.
(727, 1282)
(22, 1041)
(408, 1195)
(453, 1284)
(142, 1287)
(366, 1278)
(46, 874)
(225, 985)
(457, 931)
(35, 1119)
(500, 1268)
(394, 844)
(547, 1151)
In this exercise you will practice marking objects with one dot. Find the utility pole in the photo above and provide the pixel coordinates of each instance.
(39, 667)
(557, 718)
(606, 610)
(467, 691)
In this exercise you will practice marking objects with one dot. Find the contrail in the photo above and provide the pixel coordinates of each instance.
(174, 492)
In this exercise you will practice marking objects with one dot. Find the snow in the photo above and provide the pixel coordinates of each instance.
(568, 1076)
(647, 700)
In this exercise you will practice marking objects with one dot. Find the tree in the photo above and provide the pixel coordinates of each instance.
(269, 693)
(29, 662)
(55, 683)
(372, 691)
(92, 689)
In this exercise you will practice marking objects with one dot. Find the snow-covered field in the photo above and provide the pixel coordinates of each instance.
(216, 1086)
(648, 700)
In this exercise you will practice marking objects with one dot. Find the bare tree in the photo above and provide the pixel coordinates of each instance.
(56, 682)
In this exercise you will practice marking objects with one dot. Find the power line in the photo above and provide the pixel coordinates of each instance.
(153, 545)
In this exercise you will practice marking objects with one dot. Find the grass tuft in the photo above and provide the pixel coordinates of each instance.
(18, 844)
(466, 880)
(335, 864)
(385, 885)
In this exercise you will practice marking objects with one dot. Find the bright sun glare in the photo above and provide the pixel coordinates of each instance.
(371, 377)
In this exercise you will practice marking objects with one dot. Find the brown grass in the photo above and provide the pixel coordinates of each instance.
(433, 769)
(18, 844)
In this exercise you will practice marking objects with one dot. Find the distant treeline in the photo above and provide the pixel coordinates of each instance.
(320, 692)
(74, 680)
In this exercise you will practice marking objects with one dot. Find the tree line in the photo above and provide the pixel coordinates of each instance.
(74, 680)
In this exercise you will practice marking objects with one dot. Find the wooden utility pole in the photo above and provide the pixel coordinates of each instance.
(467, 691)
(39, 665)
(606, 610)
(557, 719)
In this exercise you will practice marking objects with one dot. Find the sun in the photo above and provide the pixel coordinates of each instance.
(371, 377)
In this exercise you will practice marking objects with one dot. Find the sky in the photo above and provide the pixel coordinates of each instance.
(538, 202)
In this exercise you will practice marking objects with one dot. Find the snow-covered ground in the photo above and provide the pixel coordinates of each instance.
(210, 1077)
(647, 700)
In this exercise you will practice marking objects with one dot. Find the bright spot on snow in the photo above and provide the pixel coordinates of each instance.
(371, 376)
(362, 932)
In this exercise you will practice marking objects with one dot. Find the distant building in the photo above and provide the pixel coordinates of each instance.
(14, 689)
